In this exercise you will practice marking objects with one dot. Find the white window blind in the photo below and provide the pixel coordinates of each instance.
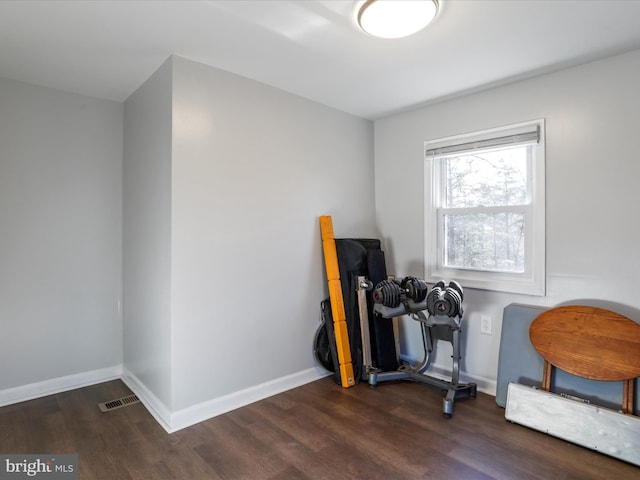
(521, 134)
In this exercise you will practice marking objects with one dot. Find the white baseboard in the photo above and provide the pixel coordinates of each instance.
(217, 406)
(484, 385)
(174, 421)
(171, 422)
(56, 385)
(153, 404)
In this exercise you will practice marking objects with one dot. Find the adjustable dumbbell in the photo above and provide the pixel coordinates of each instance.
(414, 288)
(387, 293)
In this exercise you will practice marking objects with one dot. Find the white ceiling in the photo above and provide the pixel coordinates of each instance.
(311, 48)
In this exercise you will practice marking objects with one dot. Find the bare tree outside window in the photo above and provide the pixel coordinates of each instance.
(479, 232)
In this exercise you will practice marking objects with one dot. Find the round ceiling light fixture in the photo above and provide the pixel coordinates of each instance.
(396, 18)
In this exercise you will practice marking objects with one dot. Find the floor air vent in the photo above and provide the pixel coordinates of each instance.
(118, 403)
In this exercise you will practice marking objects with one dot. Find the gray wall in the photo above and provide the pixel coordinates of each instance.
(60, 241)
(225, 179)
(147, 236)
(592, 114)
(253, 167)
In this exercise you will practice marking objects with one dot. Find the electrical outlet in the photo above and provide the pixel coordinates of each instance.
(485, 324)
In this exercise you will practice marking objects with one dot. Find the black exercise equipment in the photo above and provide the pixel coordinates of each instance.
(443, 300)
(358, 257)
(443, 322)
(324, 343)
(373, 302)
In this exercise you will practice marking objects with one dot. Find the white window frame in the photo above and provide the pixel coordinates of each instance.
(532, 280)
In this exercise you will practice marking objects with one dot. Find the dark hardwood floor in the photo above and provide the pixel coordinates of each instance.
(317, 431)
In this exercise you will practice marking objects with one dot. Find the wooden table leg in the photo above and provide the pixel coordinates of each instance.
(546, 376)
(627, 396)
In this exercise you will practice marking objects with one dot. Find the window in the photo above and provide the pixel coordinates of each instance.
(485, 208)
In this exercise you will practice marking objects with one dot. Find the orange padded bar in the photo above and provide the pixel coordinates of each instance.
(337, 302)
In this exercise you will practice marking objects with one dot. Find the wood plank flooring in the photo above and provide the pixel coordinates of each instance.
(317, 431)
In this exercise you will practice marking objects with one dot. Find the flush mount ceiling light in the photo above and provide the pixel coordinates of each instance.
(396, 18)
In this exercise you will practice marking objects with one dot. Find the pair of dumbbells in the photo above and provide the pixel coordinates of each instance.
(390, 293)
(441, 300)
